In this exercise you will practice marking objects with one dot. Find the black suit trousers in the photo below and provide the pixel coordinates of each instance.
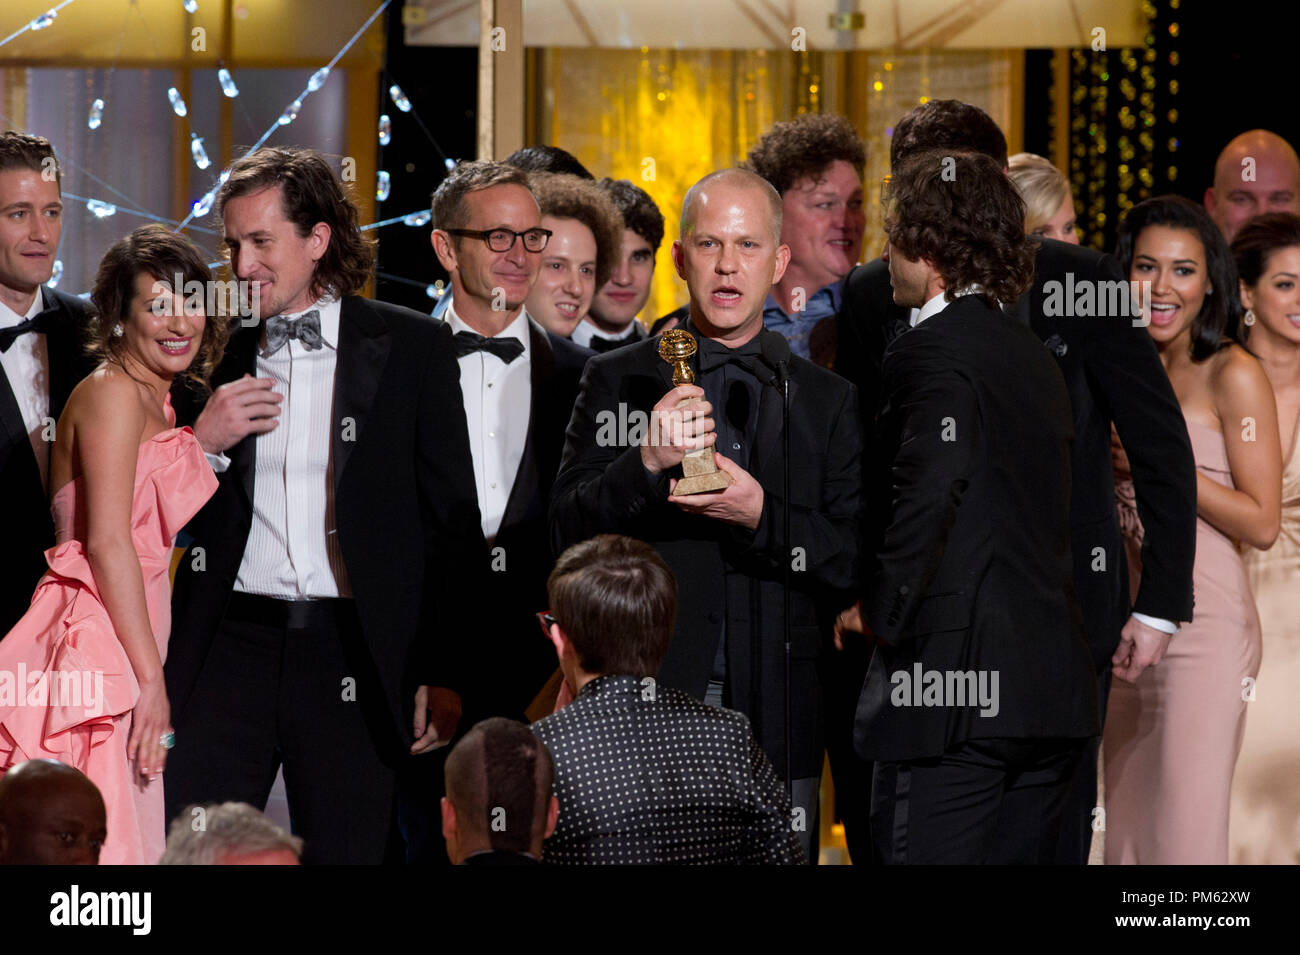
(984, 801)
(307, 699)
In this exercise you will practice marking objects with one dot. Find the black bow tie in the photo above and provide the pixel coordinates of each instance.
(507, 349)
(40, 322)
(715, 355)
(601, 345)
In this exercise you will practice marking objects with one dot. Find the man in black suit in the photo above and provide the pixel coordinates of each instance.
(612, 321)
(333, 574)
(645, 773)
(981, 694)
(626, 442)
(41, 359)
(500, 804)
(1113, 375)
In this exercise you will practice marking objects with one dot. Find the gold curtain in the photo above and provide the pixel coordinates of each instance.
(665, 118)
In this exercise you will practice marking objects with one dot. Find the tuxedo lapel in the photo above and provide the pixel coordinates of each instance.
(541, 361)
(241, 359)
(364, 342)
(63, 346)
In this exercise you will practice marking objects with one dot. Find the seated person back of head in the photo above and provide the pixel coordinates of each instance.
(646, 774)
(229, 833)
(499, 806)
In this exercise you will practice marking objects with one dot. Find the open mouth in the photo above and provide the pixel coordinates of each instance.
(567, 309)
(726, 295)
(175, 346)
(1163, 313)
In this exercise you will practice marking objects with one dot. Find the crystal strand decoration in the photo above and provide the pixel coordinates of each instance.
(56, 274)
(382, 189)
(385, 130)
(96, 114)
(227, 84)
(318, 79)
(44, 20)
(203, 206)
(198, 152)
(417, 218)
(101, 210)
(399, 98)
(290, 113)
(178, 104)
(450, 164)
(191, 6)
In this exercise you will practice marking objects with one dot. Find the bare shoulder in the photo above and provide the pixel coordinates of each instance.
(107, 394)
(1233, 369)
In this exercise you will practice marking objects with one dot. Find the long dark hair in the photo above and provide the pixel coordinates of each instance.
(1218, 323)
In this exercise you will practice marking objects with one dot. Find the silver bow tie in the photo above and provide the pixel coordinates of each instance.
(305, 328)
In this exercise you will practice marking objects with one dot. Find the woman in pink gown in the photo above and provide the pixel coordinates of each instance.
(1173, 732)
(124, 480)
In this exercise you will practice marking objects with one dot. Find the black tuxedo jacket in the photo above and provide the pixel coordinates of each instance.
(1113, 374)
(521, 557)
(721, 568)
(974, 572)
(29, 530)
(404, 501)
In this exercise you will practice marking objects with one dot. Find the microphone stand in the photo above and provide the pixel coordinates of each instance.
(783, 377)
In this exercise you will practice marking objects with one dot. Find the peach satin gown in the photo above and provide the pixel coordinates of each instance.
(1171, 739)
(66, 644)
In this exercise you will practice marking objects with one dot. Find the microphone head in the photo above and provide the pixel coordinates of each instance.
(774, 348)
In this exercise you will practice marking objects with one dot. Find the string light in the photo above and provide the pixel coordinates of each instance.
(96, 114)
(37, 23)
(178, 103)
(399, 98)
(383, 187)
(228, 87)
(56, 274)
(385, 130)
(191, 6)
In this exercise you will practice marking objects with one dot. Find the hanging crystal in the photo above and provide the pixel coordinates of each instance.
(381, 191)
(96, 114)
(433, 291)
(318, 79)
(225, 174)
(101, 210)
(203, 206)
(198, 152)
(399, 98)
(56, 274)
(178, 104)
(385, 130)
(191, 6)
(227, 84)
(290, 113)
(44, 20)
(417, 218)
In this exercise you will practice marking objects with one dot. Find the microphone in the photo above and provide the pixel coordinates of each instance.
(774, 351)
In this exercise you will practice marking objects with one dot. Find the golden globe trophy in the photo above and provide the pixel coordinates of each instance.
(699, 473)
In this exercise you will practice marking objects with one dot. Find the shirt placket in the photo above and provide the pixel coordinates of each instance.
(296, 452)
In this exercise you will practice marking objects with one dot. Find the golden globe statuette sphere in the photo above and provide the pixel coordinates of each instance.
(699, 472)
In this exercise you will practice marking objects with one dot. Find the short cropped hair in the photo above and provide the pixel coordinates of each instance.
(547, 159)
(747, 177)
(310, 194)
(567, 197)
(228, 829)
(947, 124)
(21, 151)
(156, 251)
(804, 147)
(500, 771)
(961, 213)
(449, 208)
(639, 211)
(1042, 186)
(1217, 325)
(616, 601)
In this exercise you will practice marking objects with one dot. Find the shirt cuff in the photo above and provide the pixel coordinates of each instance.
(219, 462)
(1159, 623)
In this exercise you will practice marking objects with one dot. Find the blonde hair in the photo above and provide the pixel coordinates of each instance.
(1041, 185)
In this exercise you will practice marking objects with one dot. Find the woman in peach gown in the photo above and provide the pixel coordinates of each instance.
(1173, 733)
(124, 480)
(1265, 824)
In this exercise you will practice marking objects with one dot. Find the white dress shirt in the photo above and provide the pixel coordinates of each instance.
(585, 332)
(293, 548)
(498, 400)
(27, 366)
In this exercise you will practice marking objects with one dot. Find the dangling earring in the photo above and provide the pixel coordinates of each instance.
(117, 329)
(1249, 317)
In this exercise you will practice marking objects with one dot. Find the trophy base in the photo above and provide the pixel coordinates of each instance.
(702, 483)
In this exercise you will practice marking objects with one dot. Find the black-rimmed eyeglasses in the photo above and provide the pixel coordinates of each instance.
(503, 240)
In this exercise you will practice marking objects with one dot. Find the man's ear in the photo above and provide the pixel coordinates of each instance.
(320, 241)
(444, 249)
(448, 819)
(679, 260)
(1208, 200)
(782, 262)
(552, 814)
(559, 641)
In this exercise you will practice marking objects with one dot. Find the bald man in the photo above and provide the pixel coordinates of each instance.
(50, 814)
(624, 449)
(500, 804)
(1257, 172)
